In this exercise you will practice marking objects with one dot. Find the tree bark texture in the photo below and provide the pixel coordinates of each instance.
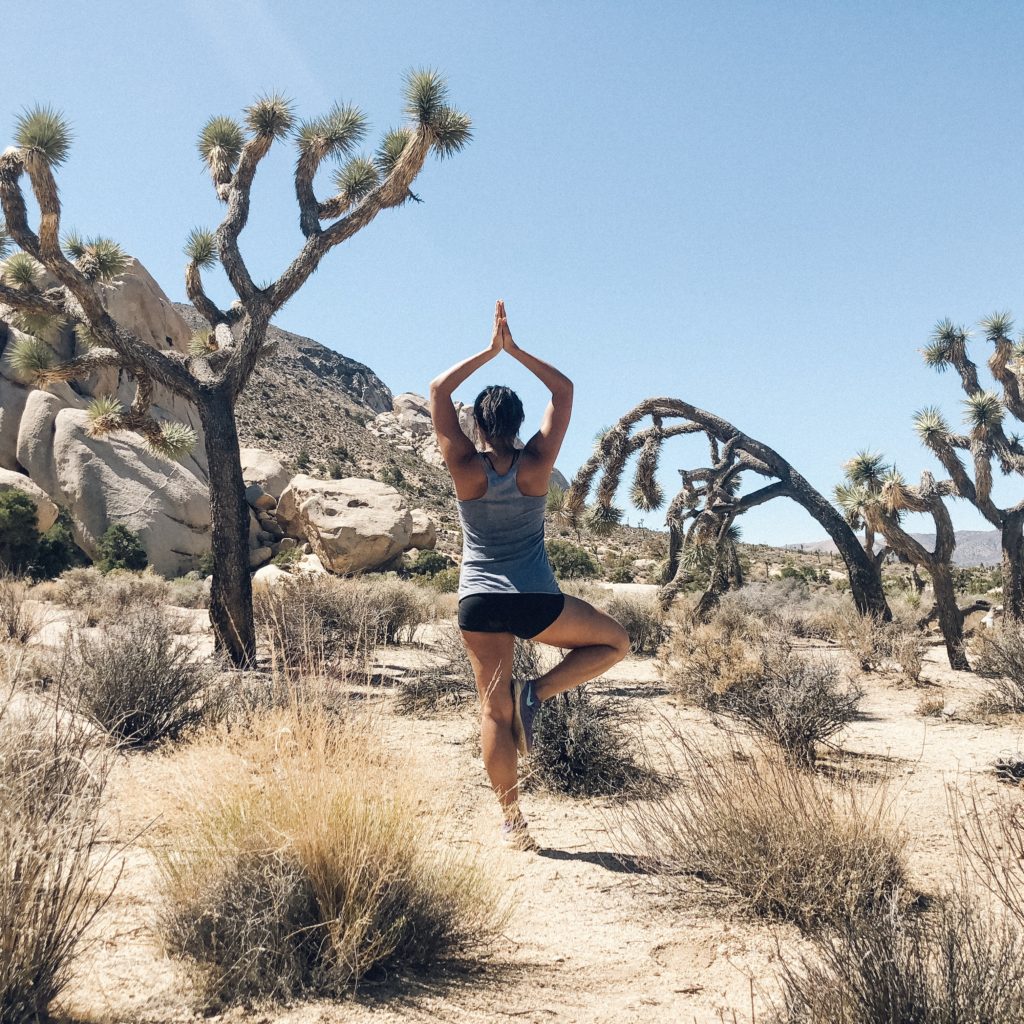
(231, 613)
(951, 619)
(1013, 567)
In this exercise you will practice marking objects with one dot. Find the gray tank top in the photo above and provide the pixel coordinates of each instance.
(503, 539)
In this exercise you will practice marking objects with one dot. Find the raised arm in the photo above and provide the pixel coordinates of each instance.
(546, 443)
(457, 449)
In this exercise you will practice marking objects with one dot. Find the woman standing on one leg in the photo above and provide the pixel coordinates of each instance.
(506, 586)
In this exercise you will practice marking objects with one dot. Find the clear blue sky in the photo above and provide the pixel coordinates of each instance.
(762, 208)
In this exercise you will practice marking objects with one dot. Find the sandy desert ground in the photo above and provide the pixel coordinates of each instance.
(591, 938)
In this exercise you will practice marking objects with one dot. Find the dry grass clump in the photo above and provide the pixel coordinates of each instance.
(52, 775)
(787, 606)
(793, 701)
(642, 618)
(957, 965)
(1001, 660)
(782, 841)
(190, 591)
(101, 598)
(760, 681)
(17, 622)
(311, 620)
(138, 682)
(442, 686)
(582, 748)
(931, 705)
(308, 866)
(873, 642)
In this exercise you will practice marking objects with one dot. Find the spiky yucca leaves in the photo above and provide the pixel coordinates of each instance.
(998, 326)
(30, 358)
(853, 499)
(21, 271)
(931, 425)
(894, 495)
(646, 493)
(6, 242)
(272, 116)
(337, 133)
(220, 145)
(99, 259)
(105, 414)
(202, 343)
(602, 519)
(358, 177)
(948, 344)
(45, 132)
(391, 148)
(983, 411)
(201, 247)
(426, 94)
(867, 468)
(174, 441)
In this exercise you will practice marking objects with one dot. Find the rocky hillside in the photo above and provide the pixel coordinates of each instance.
(312, 407)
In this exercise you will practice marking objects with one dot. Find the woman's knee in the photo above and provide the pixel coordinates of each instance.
(620, 642)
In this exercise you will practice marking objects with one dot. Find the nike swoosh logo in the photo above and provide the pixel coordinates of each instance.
(529, 699)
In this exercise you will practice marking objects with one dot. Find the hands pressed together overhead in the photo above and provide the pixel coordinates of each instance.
(501, 339)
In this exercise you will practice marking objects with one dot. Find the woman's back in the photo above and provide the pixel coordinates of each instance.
(503, 539)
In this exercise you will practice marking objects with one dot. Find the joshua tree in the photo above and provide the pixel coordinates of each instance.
(214, 373)
(987, 442)
(710, 495)
(877, 496)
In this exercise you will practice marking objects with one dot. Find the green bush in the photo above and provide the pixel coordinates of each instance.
(119, 548)
(392, 475)
(57, 551)
(19, 533)
(430, 563)
(446, 581)
(568, 561)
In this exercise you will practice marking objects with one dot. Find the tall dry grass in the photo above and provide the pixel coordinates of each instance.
(959, 965)
(54, 866)
(311, 621)
(18, 622)
(309, 867)
(783, 842)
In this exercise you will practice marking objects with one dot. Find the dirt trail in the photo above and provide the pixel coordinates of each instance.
(589, 940)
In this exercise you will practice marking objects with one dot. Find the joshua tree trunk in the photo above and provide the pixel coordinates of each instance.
(951, 620)
(231, 611)
(1013, 567)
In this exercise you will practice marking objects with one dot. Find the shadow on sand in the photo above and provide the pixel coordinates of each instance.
(619, 863)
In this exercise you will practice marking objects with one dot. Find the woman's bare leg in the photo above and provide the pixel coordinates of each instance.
(596, 642)
(490, 654)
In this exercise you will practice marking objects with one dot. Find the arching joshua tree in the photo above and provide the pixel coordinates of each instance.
(987, 444)
(877, 495)
(710, 496)
(214, 373)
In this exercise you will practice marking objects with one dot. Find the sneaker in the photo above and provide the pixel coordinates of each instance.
(524, 710)
(516, 836)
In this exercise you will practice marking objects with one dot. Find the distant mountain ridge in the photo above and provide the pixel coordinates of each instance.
(973, 547)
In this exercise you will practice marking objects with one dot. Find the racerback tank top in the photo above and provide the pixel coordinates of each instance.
(503, 539)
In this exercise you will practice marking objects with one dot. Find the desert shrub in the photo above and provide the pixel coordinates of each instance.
(287, 557)
(19, 533)
(957, 965)
(57, 551)
(642, 618)
(581, 746)
(872, 642)
(189, 591)
(930, 705)
(392, 475)
(440, 686)
(785, 843)
(120, 548)
(100, 598)
(787, 605)
(310, 867)
(138, 682)
(569, 561)
(312, 620)
(429, 563)
(446, 581)
(17, 622)
(991, 840)
(621, 574)
(793, 701)
(707, 659)
(52, 860)
(1001, 660)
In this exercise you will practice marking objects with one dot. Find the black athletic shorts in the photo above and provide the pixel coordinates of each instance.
(525, 615)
